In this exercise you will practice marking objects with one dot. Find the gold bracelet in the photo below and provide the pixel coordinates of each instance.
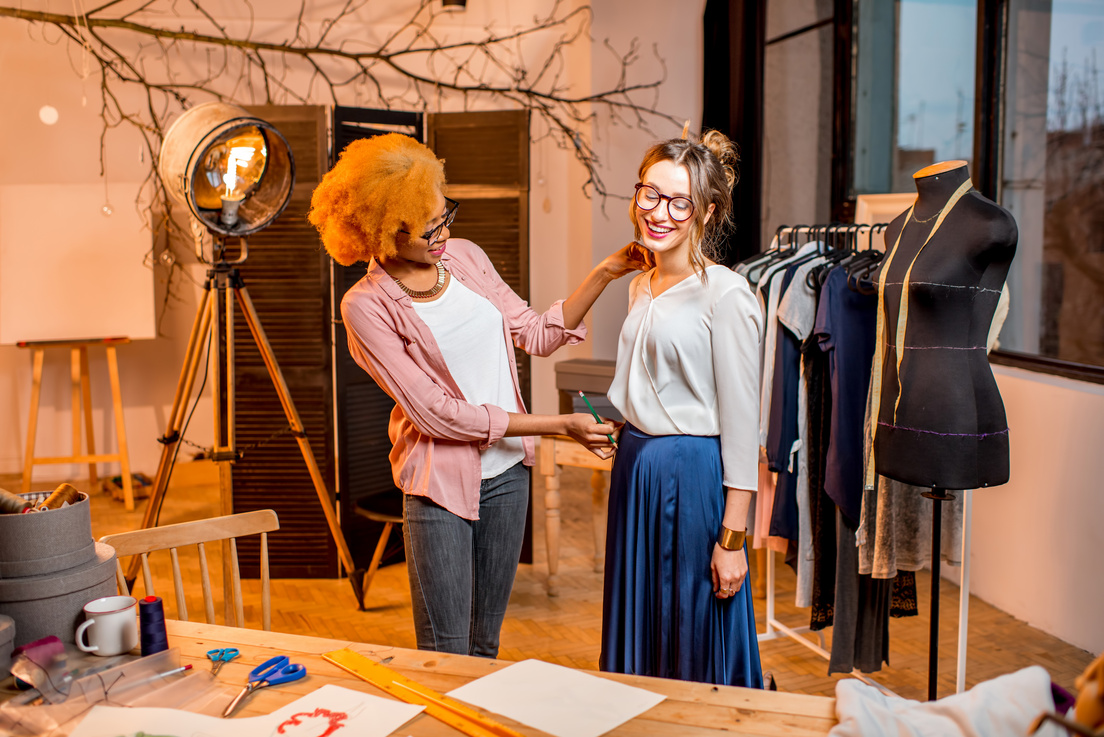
(731, 539)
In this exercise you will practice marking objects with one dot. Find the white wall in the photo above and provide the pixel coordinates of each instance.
(1035, 546)
(569, 233)
(676, 31)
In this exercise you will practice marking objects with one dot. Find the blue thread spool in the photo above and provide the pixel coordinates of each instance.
(151, 625)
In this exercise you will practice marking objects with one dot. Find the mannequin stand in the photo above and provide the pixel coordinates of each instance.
(938, 496)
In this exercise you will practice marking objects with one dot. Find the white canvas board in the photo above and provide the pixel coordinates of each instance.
(331, 710)
(558, 700)
(69, 272)
(872, 209)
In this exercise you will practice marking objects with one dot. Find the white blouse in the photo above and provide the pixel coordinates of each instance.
(688, 364)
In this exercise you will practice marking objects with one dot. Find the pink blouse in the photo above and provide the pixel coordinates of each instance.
(436, 435)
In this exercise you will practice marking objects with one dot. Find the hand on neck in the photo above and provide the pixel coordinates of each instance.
(936, 183)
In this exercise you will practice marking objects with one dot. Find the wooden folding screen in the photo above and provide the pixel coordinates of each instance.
(287, 276)
(486, 160)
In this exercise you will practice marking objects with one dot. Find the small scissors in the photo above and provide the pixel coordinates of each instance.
(272, 672)
(219, 656)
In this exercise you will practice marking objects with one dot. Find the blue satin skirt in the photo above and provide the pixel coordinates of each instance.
(659, 614)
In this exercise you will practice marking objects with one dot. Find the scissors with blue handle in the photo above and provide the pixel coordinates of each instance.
(272, 672)
(220, 656)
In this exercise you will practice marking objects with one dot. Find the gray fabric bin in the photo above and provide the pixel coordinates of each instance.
(46, 542)
(52, 604)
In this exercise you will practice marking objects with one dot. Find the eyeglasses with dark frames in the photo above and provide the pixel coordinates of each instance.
(680, 209)
(431, 235)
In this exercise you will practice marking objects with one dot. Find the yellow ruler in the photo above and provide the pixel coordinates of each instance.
(437, 705)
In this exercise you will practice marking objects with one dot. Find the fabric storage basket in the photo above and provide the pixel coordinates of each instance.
(46, 542)
(52, 604)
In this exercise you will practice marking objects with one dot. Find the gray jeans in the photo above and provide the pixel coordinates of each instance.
(461, 571)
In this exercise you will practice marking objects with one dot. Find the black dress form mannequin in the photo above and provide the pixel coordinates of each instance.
(941, 422)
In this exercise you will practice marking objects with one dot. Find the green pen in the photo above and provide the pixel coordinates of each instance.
(596, 417)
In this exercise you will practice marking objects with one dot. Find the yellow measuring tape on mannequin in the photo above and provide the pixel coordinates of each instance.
(902, 322)
(451, 712)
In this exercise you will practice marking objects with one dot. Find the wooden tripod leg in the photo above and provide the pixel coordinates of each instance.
(292, 415)
(192, 358)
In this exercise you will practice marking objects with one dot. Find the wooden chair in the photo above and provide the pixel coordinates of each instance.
(198, 533)
(386, 509)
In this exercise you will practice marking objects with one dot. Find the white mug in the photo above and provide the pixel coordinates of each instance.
(114, 626)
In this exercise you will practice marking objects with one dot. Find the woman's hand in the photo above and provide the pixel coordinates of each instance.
(730, 568)
(633, 257)
(592, 435)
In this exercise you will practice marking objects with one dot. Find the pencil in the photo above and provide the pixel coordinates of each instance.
(596, 417)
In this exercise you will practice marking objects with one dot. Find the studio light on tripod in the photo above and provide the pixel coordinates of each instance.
(232, 170)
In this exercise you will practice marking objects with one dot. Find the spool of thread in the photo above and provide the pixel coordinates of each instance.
(63, 494)
(151, 626)
(13, 503)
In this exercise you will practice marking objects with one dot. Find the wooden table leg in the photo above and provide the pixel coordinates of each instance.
(551, 471)
(598, 499)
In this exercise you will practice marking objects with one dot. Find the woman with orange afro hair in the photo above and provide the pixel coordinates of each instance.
(434, 324)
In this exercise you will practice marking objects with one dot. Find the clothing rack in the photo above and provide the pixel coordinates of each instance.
(849, 236)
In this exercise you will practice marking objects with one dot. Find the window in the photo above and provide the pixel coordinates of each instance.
(914, 89)
(1053, 178)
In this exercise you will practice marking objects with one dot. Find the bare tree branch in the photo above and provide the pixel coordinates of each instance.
(146, 46)
(491, 66)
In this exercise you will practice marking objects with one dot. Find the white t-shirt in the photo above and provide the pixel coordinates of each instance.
(469, 331)
(688, 364)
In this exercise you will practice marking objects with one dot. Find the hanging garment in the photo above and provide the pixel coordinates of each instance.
(769, 294)
(860, 630)
(797, 312)
(782, 433)
(845, 327)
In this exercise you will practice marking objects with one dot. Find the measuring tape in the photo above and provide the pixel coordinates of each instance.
(437, 705)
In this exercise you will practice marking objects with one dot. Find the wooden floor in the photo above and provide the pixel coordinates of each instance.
(565, 629)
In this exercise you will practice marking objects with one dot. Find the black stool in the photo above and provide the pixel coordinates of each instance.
(386, 508)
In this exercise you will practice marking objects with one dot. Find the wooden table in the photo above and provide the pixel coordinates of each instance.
(690, 709)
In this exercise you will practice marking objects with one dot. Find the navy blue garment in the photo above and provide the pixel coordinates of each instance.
(659, 614)
(845, 325)
(782, 429)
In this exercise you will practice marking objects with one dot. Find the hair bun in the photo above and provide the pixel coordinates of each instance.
(726, 152)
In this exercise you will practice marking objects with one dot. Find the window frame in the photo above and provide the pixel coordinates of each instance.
(988, 154)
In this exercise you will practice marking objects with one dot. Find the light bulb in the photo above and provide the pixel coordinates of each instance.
(232, 167)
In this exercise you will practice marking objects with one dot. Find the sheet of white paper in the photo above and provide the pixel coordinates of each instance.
(557, 700)
(354, 714)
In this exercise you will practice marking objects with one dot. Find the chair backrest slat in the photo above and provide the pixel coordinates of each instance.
(205, 583)
(170, 537)
(178, 586)
(235, 577)
(266, 609)
(146, 575)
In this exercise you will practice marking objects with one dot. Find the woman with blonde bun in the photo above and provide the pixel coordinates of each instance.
(435, 326)
(675, 604)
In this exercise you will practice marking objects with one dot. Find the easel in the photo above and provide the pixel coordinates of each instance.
(81, 393)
